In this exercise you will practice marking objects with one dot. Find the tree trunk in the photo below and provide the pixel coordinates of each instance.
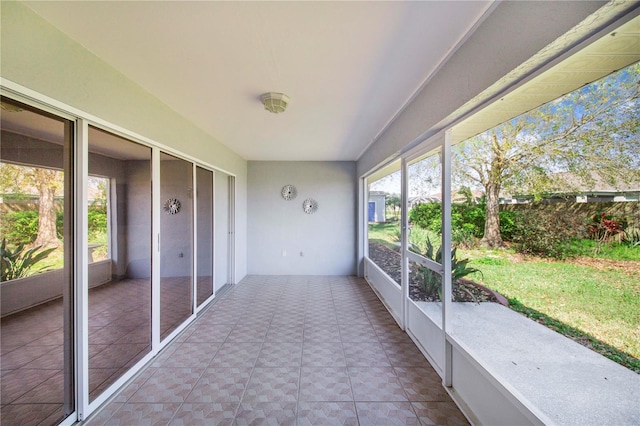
(492, 237)
(47, 236)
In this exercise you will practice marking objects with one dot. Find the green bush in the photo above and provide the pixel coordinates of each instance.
(467, 221)
(543, 234)
(97, 220)
(20, 227)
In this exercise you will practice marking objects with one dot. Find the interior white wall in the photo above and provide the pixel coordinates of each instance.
(39, 57)
(326, 238)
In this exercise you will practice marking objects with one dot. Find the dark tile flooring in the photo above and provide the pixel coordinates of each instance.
(285, 351)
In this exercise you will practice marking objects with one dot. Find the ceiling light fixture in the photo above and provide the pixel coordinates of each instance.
(275, 102)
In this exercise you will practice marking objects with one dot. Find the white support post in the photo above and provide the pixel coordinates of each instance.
(404, 243)
(156, 210)
(81, 283)
(446, 255)
(194, 240)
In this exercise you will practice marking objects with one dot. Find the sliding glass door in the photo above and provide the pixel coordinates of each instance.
(36, 210)
(119, 269)
(204, 199)
(176, 242)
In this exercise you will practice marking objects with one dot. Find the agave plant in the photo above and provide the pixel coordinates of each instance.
(430, 281)
(18, 263)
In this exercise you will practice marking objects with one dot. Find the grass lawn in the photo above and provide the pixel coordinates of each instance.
(597, 306)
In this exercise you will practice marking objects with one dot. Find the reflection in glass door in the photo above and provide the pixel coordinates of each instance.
(37, 381)
(176, 243)
(119, 270)
(204, 199)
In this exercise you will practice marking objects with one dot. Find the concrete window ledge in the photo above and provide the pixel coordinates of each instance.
(555, 379)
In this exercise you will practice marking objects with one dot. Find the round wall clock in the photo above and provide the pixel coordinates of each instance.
(310, 206)
(289, 192)
(172, 206)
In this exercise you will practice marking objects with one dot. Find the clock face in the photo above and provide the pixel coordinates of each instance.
(289, 192)
(172, 206)
(310, 206)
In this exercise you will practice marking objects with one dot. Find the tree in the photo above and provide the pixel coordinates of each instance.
(587, 135)
(394, 202)
(47, 182)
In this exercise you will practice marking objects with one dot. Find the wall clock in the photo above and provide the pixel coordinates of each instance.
(289, 192)
(172, 206)
(310, 206)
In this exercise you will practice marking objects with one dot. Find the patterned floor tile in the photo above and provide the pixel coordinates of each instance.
(422, 384)
(205, 414)
(323, 354)
(327, 413)
(404, 355)
(329, 333)
(325, 384)
(192, 355)
(168, 385)
(266, 413)
(220, 385)
(143, 413)
(439, 413)
(284, 333)
(275, 354)
(273, 385)
(365, 354)
(375, 384)
(386, 413)
(236, 355)
(209, 333)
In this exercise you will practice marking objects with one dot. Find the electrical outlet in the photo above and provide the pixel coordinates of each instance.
(301, 254)
(284, 253)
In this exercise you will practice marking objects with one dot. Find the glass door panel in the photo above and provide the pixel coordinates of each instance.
(176, 242)
(119, 269)
(36, 228)
(204, 199)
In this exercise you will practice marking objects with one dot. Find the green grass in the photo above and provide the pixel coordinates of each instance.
(589, 248)
(599, 308)
(385, 233)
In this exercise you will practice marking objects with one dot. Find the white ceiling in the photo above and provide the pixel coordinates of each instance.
(349, 67)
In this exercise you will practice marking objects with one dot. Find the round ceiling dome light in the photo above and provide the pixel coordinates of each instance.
(275, 102)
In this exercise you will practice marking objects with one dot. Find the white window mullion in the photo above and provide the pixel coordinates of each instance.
(82, 269)
(155, 248)
(404, 243)
(446, 256)
(194, 247)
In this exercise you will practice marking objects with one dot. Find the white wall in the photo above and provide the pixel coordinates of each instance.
(327, 238)
(39, 57)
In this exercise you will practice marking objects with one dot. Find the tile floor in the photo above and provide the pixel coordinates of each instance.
(287, 350)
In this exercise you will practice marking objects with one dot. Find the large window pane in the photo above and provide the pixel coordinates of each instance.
(204, 179)
(119, 222)
(383, 214)
(36, 289)
(176, 247)
(425, 225)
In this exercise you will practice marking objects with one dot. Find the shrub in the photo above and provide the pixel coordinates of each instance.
(543, 235)
(20, 227)
(427, 216)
